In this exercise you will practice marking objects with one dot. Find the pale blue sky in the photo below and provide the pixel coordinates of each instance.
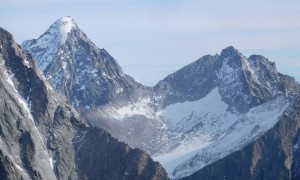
(151, 39)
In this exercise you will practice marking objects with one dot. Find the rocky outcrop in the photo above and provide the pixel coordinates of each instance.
(42, 137)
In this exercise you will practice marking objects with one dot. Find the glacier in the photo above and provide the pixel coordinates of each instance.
(220, 132)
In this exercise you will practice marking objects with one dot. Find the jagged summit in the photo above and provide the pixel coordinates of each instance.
(233, 56)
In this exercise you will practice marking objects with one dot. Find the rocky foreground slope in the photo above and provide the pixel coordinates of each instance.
(42, 137)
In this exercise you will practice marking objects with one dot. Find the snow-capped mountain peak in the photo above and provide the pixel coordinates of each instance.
(76, 67)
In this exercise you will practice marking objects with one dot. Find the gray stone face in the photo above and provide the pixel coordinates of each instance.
(42, 137)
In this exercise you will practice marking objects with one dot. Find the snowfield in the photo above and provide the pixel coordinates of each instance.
(216, 132)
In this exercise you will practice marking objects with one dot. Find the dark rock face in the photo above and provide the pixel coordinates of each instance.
(40, 133)
(21, 142)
